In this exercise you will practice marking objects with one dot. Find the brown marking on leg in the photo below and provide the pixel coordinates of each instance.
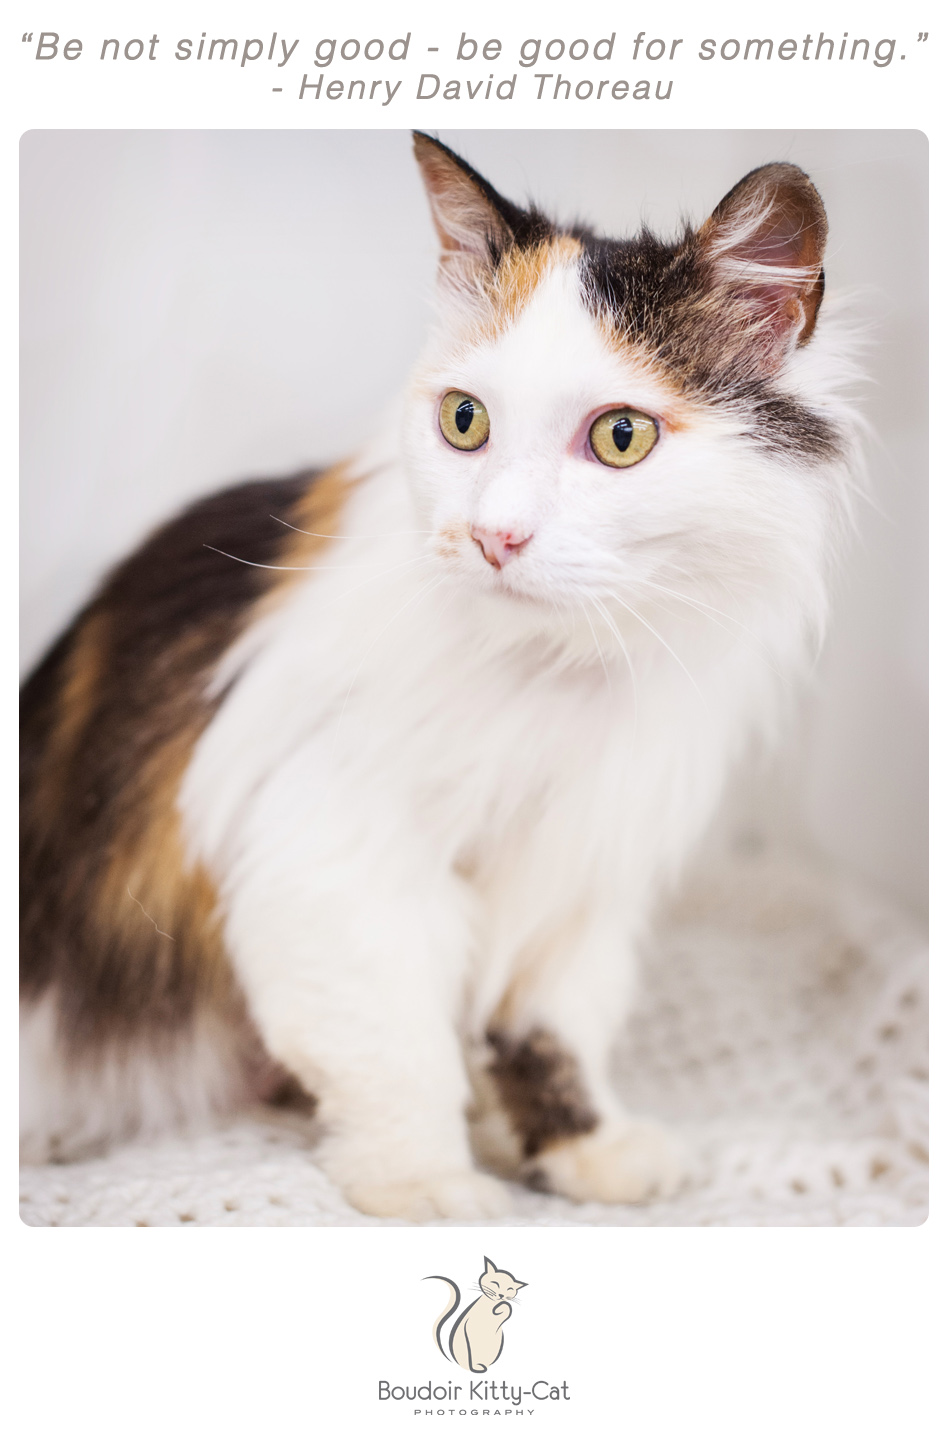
(542, 1089)
(288, 1095)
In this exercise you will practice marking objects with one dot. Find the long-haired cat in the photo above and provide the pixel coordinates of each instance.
(475, 1339)
(370, 778)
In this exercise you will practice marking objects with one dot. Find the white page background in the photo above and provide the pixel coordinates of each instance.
(740, 1330)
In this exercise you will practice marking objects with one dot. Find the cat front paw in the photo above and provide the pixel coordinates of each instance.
(458, 1196)
(621, 1163)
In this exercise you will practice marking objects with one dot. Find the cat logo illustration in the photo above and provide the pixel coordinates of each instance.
(476, 1339)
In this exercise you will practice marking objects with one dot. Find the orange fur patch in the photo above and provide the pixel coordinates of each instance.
(77, 699)
(152, 896)
(451, 538)
(517, 278)
(317, 514)
(676, 410)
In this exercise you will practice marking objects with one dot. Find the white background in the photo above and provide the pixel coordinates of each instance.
(658, 1330)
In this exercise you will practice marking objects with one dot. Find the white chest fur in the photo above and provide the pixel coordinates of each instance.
(376, 697)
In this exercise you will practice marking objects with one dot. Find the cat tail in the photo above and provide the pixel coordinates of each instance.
(446, 1314)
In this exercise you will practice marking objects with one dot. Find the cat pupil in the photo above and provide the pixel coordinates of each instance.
(464, 413)
(622, 434)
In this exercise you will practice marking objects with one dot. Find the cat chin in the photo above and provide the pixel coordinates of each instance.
(514, 611)
(491, 584)
(535, 611)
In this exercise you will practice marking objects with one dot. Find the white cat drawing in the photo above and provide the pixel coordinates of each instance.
(475, 1339)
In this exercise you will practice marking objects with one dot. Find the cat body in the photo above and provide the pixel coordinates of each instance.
(475, 1339)
(372, 777)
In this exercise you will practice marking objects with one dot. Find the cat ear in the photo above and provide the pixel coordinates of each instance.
(468, 213)
(489, 1269)
(765, 244)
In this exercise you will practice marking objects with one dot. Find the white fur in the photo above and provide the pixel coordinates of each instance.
(435, 790)
(74, 1110)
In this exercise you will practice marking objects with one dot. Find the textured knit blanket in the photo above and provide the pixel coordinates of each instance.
(780, 1030)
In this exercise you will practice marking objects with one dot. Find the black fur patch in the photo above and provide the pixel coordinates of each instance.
(541, 1088)
(658, 295)
(105, 714)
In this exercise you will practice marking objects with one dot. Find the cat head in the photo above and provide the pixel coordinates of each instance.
(617, 425)
(498, 1285)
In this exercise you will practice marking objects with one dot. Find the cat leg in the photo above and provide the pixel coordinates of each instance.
(354, 977)
(549, 1052)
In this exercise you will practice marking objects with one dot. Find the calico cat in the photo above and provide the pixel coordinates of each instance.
(476, 1340)
(367, 780)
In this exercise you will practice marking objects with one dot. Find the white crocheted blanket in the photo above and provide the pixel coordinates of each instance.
(781, 1030)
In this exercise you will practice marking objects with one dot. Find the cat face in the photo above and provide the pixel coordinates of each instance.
(599, 425)
(499, 1285)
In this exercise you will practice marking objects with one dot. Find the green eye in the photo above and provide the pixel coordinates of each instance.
(623, 437)
(464, 420)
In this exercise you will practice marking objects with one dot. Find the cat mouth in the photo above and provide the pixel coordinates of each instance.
(507, 581)
(506, 585)
(458, 546)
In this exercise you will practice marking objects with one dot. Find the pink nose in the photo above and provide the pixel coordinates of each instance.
(499, 548)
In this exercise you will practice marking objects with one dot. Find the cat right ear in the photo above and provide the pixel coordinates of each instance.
(468, 213)
(765, 245)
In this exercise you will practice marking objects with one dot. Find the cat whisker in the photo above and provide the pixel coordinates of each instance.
(356, 537)
(636, 584)
(687, 574)
(696, 602)
(606, 671)
(687, 598)
(614, 628)
(658, 636)
(707, 610)
(289, 567)
(611, 624)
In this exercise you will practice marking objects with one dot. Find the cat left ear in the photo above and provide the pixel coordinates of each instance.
(765, 244)
(467, 211)
(489, 1268)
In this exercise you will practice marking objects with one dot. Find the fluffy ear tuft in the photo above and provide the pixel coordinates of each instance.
(765, 243)
(466, 210)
